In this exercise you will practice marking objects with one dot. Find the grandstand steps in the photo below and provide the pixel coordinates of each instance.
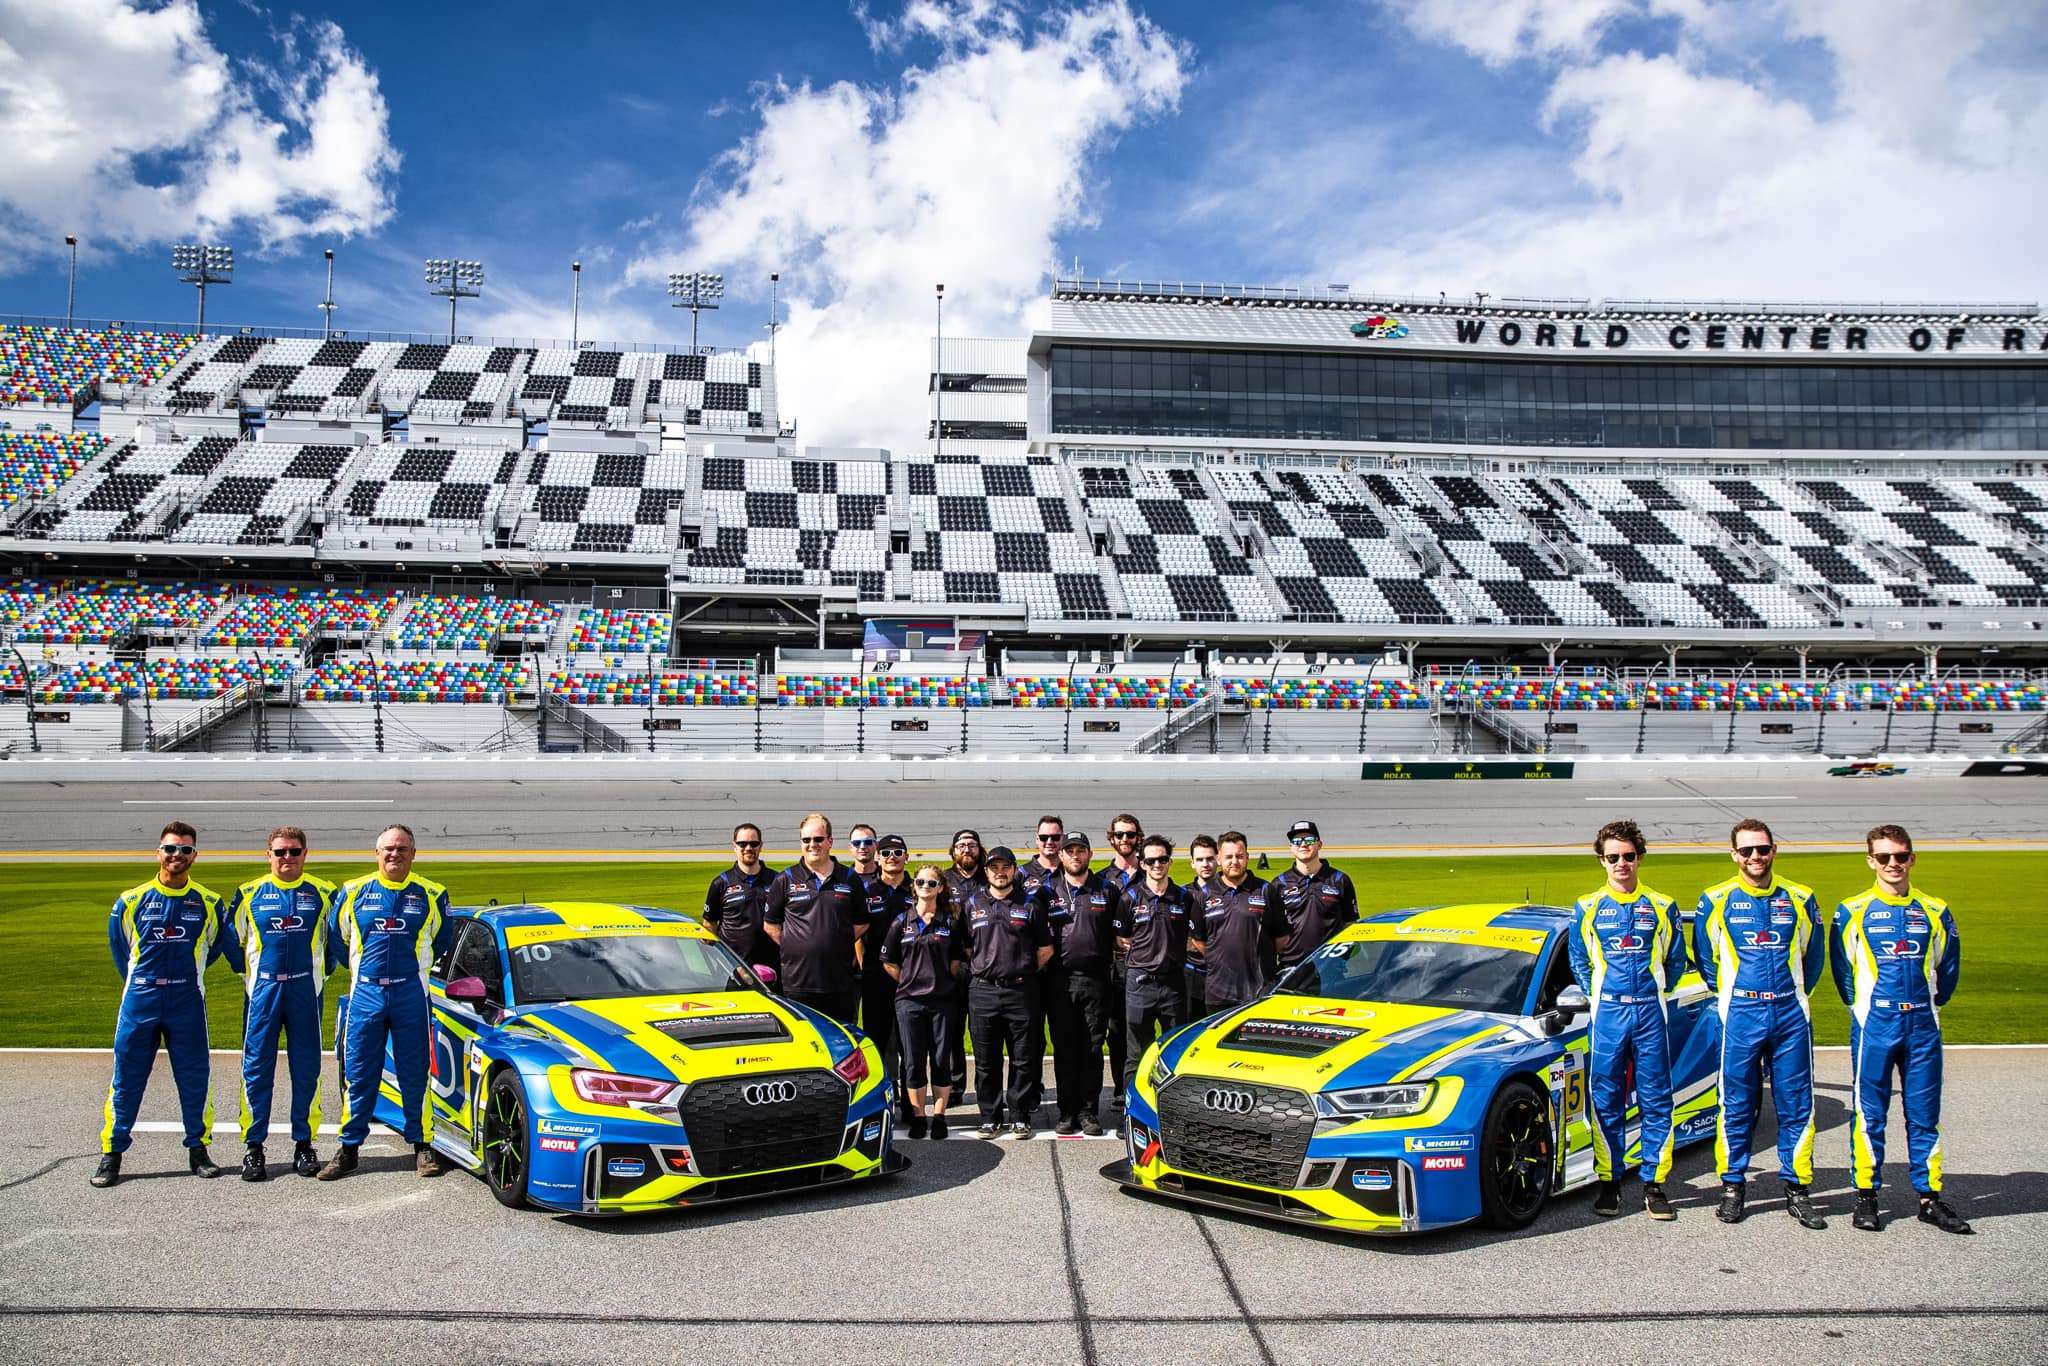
(210, 716)
(394, 620)
(565, 631)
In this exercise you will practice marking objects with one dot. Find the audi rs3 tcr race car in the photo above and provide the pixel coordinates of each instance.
(602, 1059)
(1422, 1069)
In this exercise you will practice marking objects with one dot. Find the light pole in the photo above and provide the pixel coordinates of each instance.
(71, 285)
(575, 299)
(695, 290)
(327, 304)
(774, 313)
(939, 380)
(202, 265)
(452, 280)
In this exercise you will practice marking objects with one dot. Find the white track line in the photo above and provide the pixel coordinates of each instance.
(1745, 797)
(258, 801)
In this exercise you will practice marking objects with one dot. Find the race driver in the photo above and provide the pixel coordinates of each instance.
(1627, 952)
(1317, 899)
(1759, 944)
(280, 921)
(386, 928)
(1896, 957)
(163, 934)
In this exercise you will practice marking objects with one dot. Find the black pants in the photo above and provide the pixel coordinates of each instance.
(1113, 1014)
(1152, 1009)
(957, 1078)
(878, 1018)
(843, 1006)
(925, 1031)
(1077, 1008)
(1005, 1018)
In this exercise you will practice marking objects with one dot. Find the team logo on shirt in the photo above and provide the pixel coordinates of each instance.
(1901, 948)
(1624, 942)
(1764, 939)
(287, 922)
(390, 924)
(167, 933)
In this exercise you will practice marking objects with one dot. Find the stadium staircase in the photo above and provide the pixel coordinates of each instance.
(1163, 737)
(562, 725)
(210, 716)
(2032, 740)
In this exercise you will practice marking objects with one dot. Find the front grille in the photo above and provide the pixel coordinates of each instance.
(1265, 1145)
(729, 1136)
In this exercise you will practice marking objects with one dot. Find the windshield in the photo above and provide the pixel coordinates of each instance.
(610, 965)
(1420, 972)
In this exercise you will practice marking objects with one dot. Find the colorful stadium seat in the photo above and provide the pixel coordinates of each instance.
(416, 680)
(1324, 694)
(1097, 690)
(119, 680)
(288, 619)
(61, 364)
(611, 630)
(465, 623)
(33, 463)
(623, 687)
(879, 690)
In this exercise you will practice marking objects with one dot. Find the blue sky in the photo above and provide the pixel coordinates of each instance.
(1767, 148)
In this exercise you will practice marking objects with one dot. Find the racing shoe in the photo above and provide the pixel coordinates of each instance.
(341, 1164)
(1091, 1126)
(427, 1162)
(253, 1168)
(1607, 1199)
(1653, 1200)
(108, 1171)
(1799, 1204)
(1732, 1197)
(987, 1130)
(938, 1126)
(1866, 1212)
(201, 1164)
(1938, 1212)
(305, 1161)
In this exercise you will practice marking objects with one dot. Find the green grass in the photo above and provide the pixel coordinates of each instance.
(58, 986)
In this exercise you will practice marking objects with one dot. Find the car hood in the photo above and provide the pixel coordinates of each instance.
(1316, 1043)
(688, 1037)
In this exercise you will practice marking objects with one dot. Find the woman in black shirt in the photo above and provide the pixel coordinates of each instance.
(927, 958)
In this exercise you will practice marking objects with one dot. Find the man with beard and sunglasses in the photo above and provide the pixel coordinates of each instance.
(734, 900)
(964, 880)
(1123, 873)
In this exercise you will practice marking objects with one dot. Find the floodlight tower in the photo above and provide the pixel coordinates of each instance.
(696, 290)
(71, 285)
(327, 304)
(452, 280)
(202, 265)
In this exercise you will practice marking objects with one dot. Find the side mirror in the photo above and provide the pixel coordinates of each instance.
(467, 989)
(1571, 1003)
(769, 977)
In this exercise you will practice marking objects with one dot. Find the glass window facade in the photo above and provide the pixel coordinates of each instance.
(1252, 395)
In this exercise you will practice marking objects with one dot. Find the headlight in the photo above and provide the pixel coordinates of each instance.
(1160, 1073)
(638, 1093)
(1376, 1102)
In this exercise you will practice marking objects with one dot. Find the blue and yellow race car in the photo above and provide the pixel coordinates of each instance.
(1422, 1069)
(602, 1059)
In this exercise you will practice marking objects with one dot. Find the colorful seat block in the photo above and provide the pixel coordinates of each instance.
(610, 630)
(33, 463)
(61, 364)
(416, 680)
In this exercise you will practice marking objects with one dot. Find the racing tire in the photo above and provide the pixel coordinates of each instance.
(1515, 1157)
(507, 1146)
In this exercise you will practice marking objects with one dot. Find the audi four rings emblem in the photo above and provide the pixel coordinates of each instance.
(768, 1092)
(1229, 1102)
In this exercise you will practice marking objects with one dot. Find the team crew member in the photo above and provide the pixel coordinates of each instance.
(1009, 941)
(1896, 957)
(1043, 870)
(1123, 873)
(734, 900)
(1317, 899)
(1237, 925)
(1626, 953)
(1081, 907)
(816, 912)
(1195, 980)
(1152, 925)
(280, 920)
(163, 934)
(1758, 941)
(880, 863)
(963, 879)
(387, 928)
(925, 952)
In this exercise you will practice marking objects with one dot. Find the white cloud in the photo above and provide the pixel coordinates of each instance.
(125, 124)
(963, 173)
(1694, 173)
(1500, 31)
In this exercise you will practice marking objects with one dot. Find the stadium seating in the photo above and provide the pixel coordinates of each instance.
(1968, 695)
(879, 690)
(61, 364)
(1181, 560)
(673, 688)
(288, 620)
(778, 521)
(118, 680)
(604, 501)
(109, 614)
(357, 679)
(23, 598)
(428, 486)
(464, 623)
(1539, 694)
(611, 630)
(1097, 690)
(33, 463)
(130, 493)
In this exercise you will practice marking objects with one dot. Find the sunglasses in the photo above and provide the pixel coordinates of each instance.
(1125, 834)
(746, 844)
(1756, 851)
(1625, 856)
(1304, 841)
(929, 884)
(1049, 839)
(815, 839)
(862, 844)
(1156, 862)
(895, 853)
(177, 850)
(287, 853)
(1887, 859)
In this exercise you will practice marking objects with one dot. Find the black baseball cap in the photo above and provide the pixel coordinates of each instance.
(1000, 854)
(1303, 829)
(1076, 839)
(892, 844)
(959, 835)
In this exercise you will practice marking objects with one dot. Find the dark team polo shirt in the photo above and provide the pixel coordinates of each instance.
(1157, 926)
(1316, 908)
(1004, 935)
(819, 916)
(732, 908)
(1237, 927)
(924, 954)
(1034, 877)
(885, 903)
(1083, 928)
(961, 885)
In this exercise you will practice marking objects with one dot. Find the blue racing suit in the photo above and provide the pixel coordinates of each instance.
(1627, 952)
(1760, 952)
(1896, 963)
(387, 933)
(162, 942)
(282, 929)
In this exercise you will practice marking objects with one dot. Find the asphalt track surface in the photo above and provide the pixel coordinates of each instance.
(1001, 1251)
(640, 819)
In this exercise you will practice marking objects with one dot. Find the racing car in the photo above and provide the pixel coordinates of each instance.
(1422, 1069)
(602, 1059)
